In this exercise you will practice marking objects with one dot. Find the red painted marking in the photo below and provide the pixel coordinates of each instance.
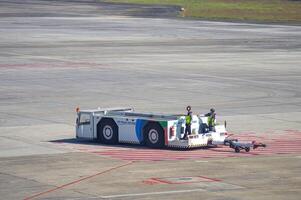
(210, 179)
(162, 181)
(150, 182)
(76, 181)
(286, 142)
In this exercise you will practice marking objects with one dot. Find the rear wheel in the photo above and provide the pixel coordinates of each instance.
(107, 131)
(154, 135)
(247, 149)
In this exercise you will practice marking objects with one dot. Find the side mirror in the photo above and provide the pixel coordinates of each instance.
(225, 123)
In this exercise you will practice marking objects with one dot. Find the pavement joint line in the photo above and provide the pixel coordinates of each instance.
(35, 118)
(19, 177)
(298, 156)
(202, 161)
(151, 193)
(299, 122)
(77, 181)
(37, 56)
(259, 83)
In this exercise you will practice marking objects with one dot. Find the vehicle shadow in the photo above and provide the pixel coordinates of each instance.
(123, 146)
(89, 142)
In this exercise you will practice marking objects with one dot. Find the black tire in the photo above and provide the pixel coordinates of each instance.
(237, 149)
(107, 131)
(154, 135)
(247, 149)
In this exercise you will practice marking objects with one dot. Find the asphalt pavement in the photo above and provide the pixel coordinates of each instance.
(57, 55)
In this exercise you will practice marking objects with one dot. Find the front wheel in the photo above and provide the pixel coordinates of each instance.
(107, 132)
(237, 149)
(154, 135)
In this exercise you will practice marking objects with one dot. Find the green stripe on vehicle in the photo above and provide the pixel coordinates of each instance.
(163, 124)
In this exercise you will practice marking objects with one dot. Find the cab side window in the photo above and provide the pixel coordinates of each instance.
(84, 118)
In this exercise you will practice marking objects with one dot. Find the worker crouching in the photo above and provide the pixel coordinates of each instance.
(211, 119)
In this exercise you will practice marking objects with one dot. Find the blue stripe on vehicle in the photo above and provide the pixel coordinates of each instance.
(139, 126)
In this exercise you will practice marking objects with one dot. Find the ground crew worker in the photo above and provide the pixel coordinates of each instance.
(188, 120)
(211, 119)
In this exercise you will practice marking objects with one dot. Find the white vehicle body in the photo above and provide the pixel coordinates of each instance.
(123, 125)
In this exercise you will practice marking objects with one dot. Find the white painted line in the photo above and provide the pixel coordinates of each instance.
(202, 161)
(152, 193)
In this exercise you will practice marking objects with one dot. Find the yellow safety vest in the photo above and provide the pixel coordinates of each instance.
(188, 119)
(211, 121)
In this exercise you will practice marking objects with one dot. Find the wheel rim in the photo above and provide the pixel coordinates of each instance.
(153, 136)
(107, 132)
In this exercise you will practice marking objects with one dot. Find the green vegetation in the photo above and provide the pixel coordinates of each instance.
(238, 10)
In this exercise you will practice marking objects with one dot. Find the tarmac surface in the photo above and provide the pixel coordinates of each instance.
(57, 55)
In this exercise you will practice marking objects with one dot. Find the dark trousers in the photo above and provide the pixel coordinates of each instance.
(211, 128)
(187, 130)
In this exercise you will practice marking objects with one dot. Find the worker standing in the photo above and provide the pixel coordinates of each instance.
(188, 120)
(211, 119)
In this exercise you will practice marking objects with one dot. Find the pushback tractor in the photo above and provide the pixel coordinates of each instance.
(124, 125)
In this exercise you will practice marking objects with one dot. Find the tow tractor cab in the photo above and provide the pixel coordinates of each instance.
(123, 125)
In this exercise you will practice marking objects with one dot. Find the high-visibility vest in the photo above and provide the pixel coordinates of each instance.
(211, 121)
(188, 119)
